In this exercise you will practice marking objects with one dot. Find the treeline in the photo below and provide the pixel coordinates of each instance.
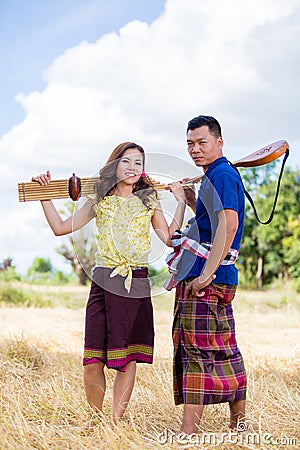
(271, 252)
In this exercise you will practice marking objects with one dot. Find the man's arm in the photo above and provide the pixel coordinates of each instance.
(190, 198)
(225, 233)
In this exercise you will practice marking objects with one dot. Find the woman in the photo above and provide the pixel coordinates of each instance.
(119, 318)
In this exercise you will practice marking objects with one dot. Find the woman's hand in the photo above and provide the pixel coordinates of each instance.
(178, 191)
(190, 194)
(43, 178)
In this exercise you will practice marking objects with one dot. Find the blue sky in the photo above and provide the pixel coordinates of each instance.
(78, 77)
(33, 33)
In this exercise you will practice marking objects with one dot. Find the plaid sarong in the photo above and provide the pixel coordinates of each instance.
(208, 366)
(180, 242)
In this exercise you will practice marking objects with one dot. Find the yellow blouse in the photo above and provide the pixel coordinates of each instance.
(123, 239)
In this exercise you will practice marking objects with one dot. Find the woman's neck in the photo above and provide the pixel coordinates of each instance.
(123, 190)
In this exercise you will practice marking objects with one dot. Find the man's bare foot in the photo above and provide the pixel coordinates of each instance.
(189, 430)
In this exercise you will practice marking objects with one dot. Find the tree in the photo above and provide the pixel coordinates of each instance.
(265, 252)
(40, 266)
(80, 254)
(6, 263)
(8, 270)
(80, 248)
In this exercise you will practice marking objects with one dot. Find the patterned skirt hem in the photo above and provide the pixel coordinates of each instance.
(119, 358)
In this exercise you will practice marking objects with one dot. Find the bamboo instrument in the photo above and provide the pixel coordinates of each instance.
(75, 187)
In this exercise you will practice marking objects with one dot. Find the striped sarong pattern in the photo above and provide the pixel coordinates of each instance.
(207, 366)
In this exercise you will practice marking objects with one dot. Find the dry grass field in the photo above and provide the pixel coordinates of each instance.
(42, 398)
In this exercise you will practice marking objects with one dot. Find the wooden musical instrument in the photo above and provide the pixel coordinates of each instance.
(263, 156)
(80, 187)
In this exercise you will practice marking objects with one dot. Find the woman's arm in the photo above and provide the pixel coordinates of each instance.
(57, 224)
(159, 223)
(61, 227)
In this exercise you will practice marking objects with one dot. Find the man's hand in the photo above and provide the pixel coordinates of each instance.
(196, 287)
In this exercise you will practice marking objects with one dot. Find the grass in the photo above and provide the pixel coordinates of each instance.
(43, 404)
(17, 293)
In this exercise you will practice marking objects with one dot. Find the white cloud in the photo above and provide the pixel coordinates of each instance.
(236, 60)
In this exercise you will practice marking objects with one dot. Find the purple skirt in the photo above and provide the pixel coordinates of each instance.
(119, 325)
(208, 366)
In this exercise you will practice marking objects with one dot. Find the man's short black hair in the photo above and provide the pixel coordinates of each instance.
(200, 121)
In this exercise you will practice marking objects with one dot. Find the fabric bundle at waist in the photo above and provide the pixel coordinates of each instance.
(180, 242)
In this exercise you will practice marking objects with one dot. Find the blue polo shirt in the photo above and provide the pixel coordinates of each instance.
(221, 188)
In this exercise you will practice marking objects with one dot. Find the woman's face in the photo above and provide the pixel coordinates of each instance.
(130, 166)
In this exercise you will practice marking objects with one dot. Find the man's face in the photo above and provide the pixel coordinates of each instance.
(203, 147)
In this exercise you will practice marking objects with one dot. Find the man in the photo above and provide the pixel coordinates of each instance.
(208, 366)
